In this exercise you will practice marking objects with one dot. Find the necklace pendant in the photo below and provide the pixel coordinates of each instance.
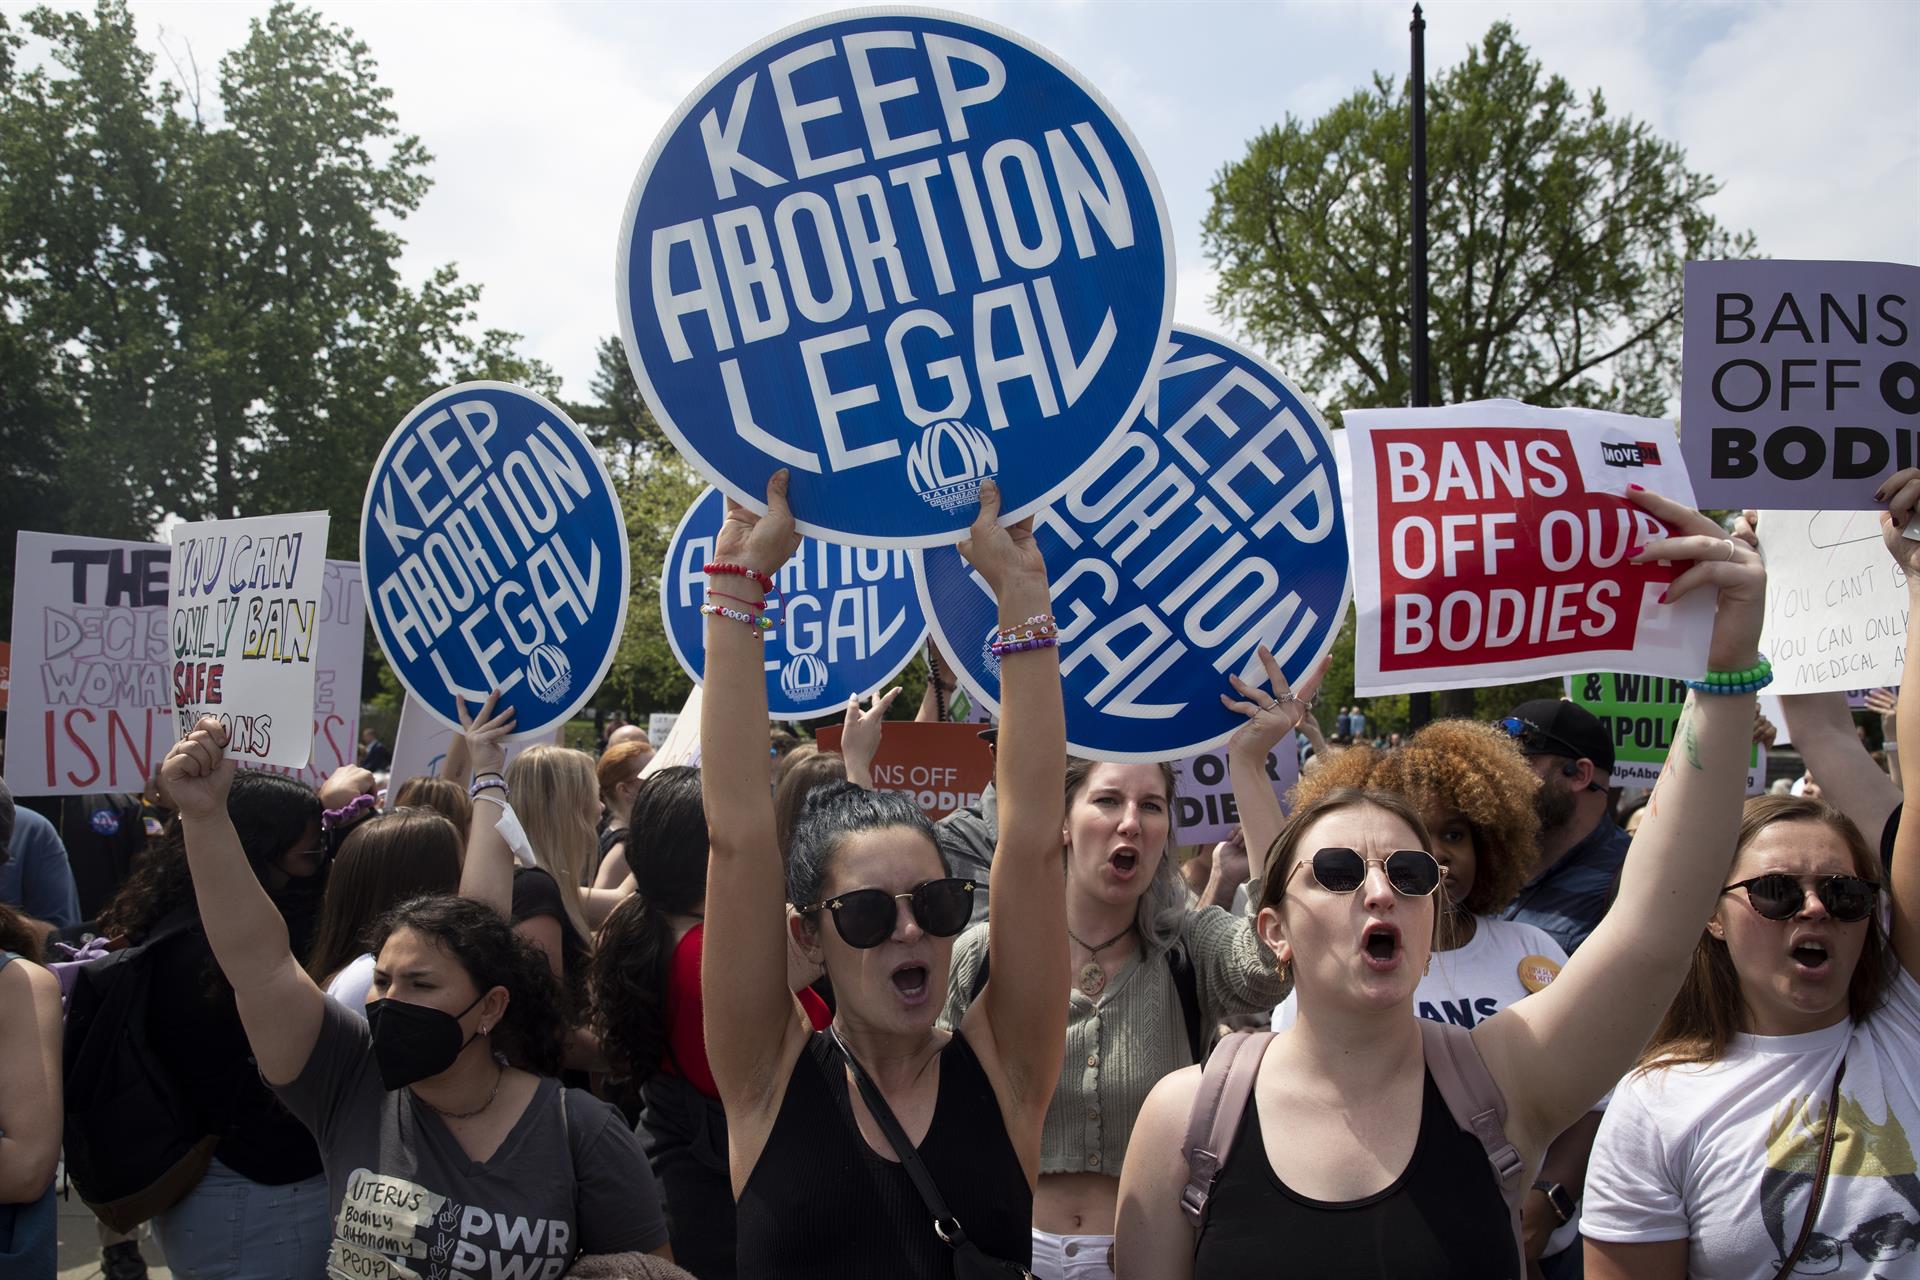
(1091, 979)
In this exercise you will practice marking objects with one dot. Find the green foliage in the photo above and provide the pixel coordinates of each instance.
(201, 312)
(619, 420)
(1557, 238)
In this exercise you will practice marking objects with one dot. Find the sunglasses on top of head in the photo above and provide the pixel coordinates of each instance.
(865, 917)
(1535, 739)
(1412, 873)
(1779, 896)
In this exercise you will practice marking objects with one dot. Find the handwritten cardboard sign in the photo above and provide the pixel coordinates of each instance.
(244, 627)
(943, 767)
(91, 701)
(1836, 603)
(1491, 543)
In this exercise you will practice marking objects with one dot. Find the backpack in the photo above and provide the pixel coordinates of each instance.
(134, 1146)
(1185, 984)
(1458, 1072)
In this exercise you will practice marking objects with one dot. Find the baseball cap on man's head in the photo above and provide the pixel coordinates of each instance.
(1554, 727)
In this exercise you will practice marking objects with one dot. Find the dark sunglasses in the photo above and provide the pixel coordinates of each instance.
(1533, 738)
(1413, 873)
(1779, 896)
(865, 917)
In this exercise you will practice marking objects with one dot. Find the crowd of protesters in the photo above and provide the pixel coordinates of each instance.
(1461, 1008)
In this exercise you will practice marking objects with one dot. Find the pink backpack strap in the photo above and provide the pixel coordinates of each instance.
(1225, 1086)
(1477, 1105)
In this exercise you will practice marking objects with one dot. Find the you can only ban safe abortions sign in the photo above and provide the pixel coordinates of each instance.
(93, 705)
(847, 621)
(496, 556)
(1800, 381)
(244, 628)
(1213, 528)
(898, 252)
(1491, 543)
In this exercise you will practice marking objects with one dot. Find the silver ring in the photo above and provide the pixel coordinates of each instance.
(1729, 550)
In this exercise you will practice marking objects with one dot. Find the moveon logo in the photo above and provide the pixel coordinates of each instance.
(948, 463)
(804, 677)
(549, 673)
(1643, 454)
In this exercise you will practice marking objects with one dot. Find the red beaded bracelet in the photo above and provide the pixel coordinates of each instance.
(764, 582)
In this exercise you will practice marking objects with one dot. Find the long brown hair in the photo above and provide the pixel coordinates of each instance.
(383, 862)
(16, 936)
(1709, 1010)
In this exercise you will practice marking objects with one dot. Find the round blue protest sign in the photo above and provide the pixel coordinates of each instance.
(495, 556)
(1213, 528)
(848, 618)
(897, 252)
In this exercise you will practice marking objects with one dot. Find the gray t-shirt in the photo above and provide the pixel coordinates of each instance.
(406, 1201)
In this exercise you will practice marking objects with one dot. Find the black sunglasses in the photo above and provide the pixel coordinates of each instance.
(865, 917)
(1413, 873)
(1779, 896)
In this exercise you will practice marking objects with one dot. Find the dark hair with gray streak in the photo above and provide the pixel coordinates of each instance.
(834, 811)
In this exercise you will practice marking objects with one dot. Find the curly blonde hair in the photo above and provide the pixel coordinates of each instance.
(1460, 765)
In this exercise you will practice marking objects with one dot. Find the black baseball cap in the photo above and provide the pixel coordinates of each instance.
(1555, 727)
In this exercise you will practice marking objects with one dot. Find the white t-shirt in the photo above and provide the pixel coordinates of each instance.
(350, 985)
(1470, 984)
(1724, 1155)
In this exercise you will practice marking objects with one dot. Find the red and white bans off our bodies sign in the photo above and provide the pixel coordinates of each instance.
(1491, 543)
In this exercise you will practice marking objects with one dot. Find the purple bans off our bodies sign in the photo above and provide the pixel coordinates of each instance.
(1801, 385)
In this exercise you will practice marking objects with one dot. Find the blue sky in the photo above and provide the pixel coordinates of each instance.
(539, 114)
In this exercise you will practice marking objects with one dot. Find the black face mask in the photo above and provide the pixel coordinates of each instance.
(414, 1041)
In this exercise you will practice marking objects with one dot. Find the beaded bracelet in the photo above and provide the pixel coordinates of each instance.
(1751, 680)
(351, 811)
(1040, 624)
(1001, 648)
(723, 567)
(759, 624)
(487, 782)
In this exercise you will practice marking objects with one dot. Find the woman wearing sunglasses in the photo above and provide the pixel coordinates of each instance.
(1795, 1026)
(1348, 1162)
(819, 1190)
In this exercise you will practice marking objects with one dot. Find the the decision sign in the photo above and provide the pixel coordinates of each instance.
(1214, 528)
(847, 621)
(897, 253)
(495, 556)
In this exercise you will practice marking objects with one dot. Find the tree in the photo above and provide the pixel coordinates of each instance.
(1557, 233)
(619, 420)
(201, 311)
(1557, 237)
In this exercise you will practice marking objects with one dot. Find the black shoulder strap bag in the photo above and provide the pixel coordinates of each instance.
(1819, 1178)
(970, 1262)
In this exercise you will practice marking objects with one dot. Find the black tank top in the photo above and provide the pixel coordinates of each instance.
(822, 1203)
(1443, 1218)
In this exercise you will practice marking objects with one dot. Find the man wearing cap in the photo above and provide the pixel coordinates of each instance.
(1581, 847)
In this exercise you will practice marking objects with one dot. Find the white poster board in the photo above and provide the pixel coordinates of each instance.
(90, 706)
(1836, 602)
(244, 624)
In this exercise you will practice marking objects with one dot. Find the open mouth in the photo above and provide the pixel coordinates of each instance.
(1124, 862)
(1810, 956)
(910, 980)
(1381, 944)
